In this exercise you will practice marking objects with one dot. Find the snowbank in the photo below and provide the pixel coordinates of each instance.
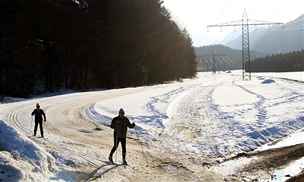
(13, 142)
(8, 172)
(33, 162)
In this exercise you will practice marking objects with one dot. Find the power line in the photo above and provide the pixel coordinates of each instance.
(245, 24)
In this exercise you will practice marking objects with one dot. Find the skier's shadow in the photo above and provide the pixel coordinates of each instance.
(92, 176)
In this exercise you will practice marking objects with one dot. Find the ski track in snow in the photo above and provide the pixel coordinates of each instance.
(158, 116)
(282, 128)
(199, 125)
(192, 118)
(260, 130)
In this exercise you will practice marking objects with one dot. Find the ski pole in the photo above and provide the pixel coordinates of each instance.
(139, 143)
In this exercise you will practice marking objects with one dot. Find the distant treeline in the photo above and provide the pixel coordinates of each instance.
(220, 58)
(293, 61)
(47, 45)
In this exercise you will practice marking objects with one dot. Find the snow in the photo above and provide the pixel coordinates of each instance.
(295, 76)
(226, 96)
(143, 106)
(8, 172)
(232, 166)
(12, 142)
(291, 170)
(298, 76)
(293, 139)
(214, 116)
(217, 115)
(148, 109)
(39, 162)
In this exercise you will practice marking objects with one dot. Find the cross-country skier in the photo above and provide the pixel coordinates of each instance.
(120, 124)
(39, 116)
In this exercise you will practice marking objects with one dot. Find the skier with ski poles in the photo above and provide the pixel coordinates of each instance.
(120, 124)
(39, 116)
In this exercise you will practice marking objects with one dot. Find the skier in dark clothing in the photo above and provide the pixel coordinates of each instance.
(39, 116)
(120, 124)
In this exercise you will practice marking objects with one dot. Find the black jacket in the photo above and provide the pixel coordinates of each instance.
(38, 113)
(120, 126)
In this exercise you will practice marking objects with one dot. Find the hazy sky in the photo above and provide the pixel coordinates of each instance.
(195, 15)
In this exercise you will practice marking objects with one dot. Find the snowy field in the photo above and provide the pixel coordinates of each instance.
(292, 76)
(214, 116)
(218, 115)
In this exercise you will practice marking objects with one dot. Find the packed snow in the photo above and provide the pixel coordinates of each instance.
(296, 76)
(223, 114)
(36, 163)
(215, 116)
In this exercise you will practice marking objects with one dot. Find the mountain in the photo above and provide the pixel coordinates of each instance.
(276, 39)
(225, 58)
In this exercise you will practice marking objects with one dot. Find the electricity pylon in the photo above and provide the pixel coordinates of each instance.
(245, 24)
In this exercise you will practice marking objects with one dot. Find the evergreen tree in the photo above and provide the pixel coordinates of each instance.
(90, 44)
(293, 61)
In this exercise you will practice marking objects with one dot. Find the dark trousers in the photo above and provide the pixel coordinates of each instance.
(40, 127)
(123, 146)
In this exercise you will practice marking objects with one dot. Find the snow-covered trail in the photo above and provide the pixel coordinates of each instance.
(77, 148)
(181, 126)
(227, 116)
(71, 140)
(219, 118)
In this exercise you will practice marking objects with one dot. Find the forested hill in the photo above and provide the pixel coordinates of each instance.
(293, 61)
(47, 45)
(225, 58)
